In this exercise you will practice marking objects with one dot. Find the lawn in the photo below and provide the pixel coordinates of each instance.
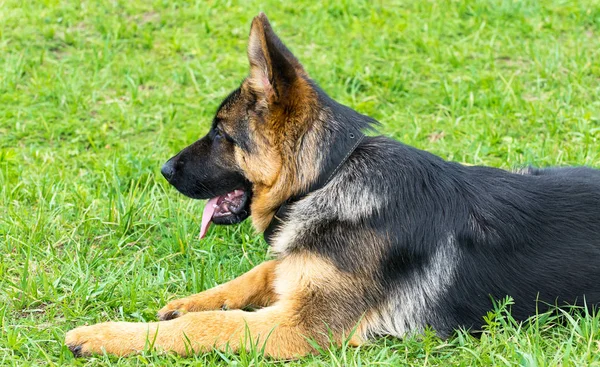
(96, 95)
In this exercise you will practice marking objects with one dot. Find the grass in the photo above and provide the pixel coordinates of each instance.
(97, 95)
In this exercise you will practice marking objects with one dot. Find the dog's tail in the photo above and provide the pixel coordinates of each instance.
(582, 172)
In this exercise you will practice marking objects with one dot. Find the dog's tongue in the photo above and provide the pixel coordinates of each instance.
(209, 210)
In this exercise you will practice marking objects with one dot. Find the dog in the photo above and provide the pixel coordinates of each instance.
(372, 237)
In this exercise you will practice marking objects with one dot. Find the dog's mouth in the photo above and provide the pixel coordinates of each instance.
(230, 208)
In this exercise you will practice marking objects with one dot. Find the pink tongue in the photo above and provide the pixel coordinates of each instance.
(207, 215)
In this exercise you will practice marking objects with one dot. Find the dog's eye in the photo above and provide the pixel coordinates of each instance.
(221, 134)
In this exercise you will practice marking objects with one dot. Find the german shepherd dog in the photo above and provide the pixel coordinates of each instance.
(372, 237)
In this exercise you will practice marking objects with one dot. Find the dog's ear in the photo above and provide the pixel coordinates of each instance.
(273, 68)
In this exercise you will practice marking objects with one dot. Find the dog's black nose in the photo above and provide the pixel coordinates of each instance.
(168, 170)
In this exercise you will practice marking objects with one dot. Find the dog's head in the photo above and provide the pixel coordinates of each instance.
(256, 154)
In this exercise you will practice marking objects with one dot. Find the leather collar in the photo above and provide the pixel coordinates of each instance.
(342, 147)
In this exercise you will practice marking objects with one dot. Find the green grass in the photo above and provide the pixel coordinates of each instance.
(96, 95)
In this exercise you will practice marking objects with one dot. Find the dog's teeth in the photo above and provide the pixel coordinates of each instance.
(237, 192)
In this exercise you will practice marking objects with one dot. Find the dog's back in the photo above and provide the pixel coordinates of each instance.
(534, 237)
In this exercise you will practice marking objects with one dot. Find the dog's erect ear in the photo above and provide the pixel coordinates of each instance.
(273, 68)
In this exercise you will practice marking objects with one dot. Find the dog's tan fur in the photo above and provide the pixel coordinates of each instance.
(280, 327)
(273, 170)
(253, 289)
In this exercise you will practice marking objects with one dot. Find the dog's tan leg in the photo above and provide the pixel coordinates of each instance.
(198, 332)
(316, 301)
(255, 288)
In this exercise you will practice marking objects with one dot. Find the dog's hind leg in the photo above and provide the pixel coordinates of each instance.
(255, 288)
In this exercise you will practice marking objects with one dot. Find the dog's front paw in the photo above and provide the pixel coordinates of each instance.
(174, 309)
(119, 338)
(206, 301)
(84, 341)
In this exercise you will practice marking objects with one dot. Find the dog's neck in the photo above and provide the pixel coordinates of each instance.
(343, 145)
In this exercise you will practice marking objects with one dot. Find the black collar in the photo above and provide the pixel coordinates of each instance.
(342, 148)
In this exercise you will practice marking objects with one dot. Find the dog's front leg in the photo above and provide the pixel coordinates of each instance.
(274, 327)
(255, 288)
